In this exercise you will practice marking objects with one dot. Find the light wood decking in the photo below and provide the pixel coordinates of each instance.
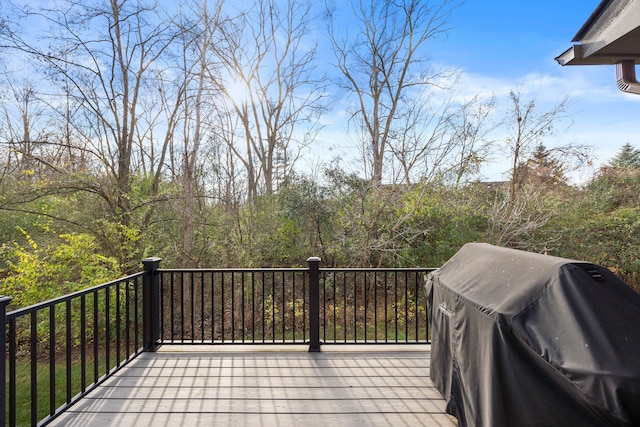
(267, 386)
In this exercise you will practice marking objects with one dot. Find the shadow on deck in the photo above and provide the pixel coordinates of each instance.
(268, 385)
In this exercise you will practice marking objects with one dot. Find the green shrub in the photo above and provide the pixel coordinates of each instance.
(36, 273)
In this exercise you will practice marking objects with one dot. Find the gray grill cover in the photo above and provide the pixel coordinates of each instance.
(523, 339)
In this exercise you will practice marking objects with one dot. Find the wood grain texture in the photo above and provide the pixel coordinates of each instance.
(341, 386)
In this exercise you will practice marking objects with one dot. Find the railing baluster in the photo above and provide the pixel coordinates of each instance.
(344, 290)
(52, 359)
(386, 314)
(395, 299)
(213, 308)
(202, 307)
(293, 308)
(426, 308)
(324, 308)
(34, 368)
(233, 306)
(355, 307)
(172, 305)
(406, 306)
(273, 307)
(284, 307)
(243, 305)
(118, 324)
(96, 325)
(162, 302)
(366, 305)
(253, 307)
(138, 342)
(191, 305)
(127, 318)
(222, 311)
(12, 372)
(182, 309)
(107, 330)
(172, 301)
(262, 279)
(375, 306)
(335, 304)
(69, 347)
(83, 343)
(304, 308)
(415, 297)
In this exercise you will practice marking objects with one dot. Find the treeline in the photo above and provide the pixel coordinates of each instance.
(130, 129)
(343, 219)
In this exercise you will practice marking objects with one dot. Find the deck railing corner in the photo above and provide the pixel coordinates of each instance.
(151, 303)
(314, 304)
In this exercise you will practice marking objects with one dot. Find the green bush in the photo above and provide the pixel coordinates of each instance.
(36, 273)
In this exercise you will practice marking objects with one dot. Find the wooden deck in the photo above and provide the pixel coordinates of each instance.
(284, 386)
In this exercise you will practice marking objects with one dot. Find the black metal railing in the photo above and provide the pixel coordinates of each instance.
(59, 350)
(373, 306)
(293, 305)
(234, 306)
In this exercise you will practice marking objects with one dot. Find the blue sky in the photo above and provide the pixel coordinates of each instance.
(510, 38)
(499, 45)
(502, 45)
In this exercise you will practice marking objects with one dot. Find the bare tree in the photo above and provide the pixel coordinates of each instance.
(420, 141)
(527, 127)
(197, 108)
(106, 56)
(105, 64)
(513, 222)
(267, 55)
(523, 210)
(449, 140)
(471, 129)
(382, 59)
(22, 135)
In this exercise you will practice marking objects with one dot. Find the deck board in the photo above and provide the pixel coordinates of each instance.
(355, 385)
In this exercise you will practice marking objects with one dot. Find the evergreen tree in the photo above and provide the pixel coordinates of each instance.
(628, 157)
(545, 166)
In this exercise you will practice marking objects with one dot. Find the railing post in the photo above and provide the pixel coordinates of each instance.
(4, 301)
(151, 303)
(314, 304)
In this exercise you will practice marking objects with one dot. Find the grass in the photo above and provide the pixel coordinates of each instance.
(42, 398)
(24, 396)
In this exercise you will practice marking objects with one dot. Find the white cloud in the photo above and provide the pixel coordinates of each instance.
(600, 116)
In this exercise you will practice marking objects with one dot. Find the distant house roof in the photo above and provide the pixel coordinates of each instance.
(611, 36)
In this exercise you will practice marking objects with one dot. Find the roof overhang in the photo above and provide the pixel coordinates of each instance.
(626, 48)
(611, 36)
